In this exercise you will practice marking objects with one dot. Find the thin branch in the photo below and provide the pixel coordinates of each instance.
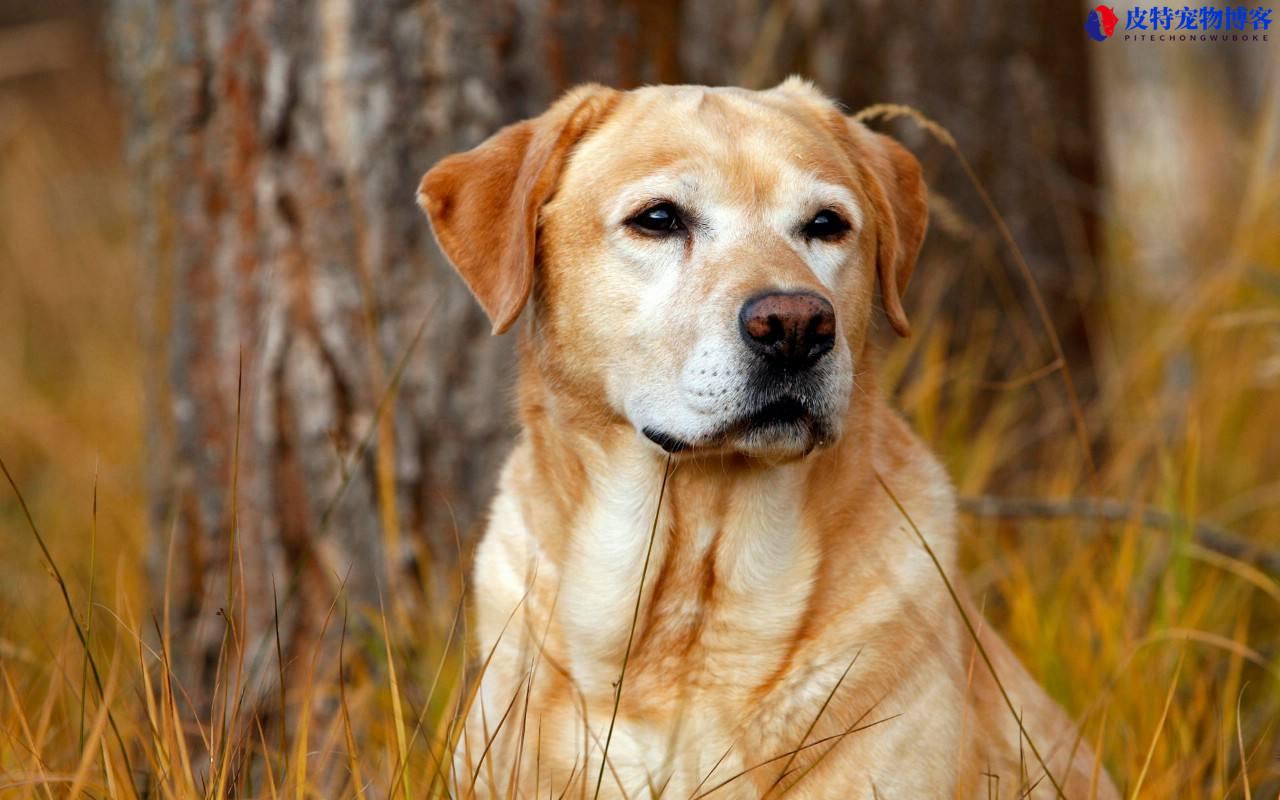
(889, 111)
(1211, 537)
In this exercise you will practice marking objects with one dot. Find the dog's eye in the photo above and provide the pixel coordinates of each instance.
(662, 218)
(826, 225)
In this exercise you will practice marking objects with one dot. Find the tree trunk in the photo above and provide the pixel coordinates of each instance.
(277, 146)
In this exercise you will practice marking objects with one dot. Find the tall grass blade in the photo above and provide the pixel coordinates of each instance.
(1155, 737)
(88, 612)
(973, 633)
(635, 618)
(71, 613)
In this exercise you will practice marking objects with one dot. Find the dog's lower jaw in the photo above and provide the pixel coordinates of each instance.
(787, 441)
(768, 435)
(751, 447)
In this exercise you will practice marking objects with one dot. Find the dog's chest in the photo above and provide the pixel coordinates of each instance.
(701, 642)
(704, 597)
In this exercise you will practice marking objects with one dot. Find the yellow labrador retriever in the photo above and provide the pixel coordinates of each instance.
(696, 577)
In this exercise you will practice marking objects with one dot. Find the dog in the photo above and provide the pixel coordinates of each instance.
(702, 572)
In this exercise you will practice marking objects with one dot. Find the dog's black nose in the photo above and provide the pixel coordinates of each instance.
(790, 330)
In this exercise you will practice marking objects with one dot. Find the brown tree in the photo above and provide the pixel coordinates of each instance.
(327, 407)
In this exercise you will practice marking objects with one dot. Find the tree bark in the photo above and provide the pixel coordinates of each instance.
(328, 409)
(278, 146)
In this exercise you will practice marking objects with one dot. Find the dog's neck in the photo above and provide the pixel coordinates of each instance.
(745, 532)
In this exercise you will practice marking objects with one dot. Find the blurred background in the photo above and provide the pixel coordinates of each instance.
(256, 419)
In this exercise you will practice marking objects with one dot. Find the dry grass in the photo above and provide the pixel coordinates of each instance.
(1169, 652)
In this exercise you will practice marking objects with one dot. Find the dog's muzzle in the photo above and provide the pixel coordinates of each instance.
(787, 401)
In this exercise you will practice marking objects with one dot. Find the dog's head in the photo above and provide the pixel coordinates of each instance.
(703, 262)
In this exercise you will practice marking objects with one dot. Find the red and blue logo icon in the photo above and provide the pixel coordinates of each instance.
(1101, 23)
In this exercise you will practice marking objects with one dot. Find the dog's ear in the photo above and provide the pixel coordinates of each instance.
(898, 193)
(483, 204)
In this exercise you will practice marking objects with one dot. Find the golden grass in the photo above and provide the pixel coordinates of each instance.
(1167, 651)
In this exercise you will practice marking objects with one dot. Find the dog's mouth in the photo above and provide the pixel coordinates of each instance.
(666, 441)
(786, 419)
(785, 410)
